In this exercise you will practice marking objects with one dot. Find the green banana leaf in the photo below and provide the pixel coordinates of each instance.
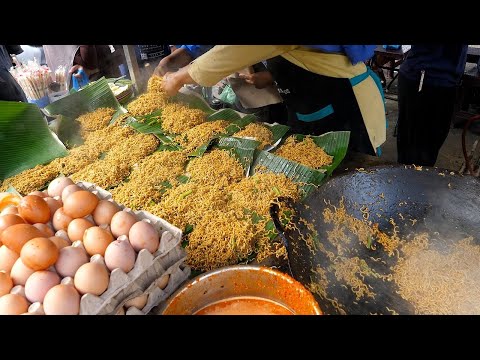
(240, 124)
(278, 131)
(334, 143)
(243, 149)
(67, 130)
(93, 96)
(145, 128)
(193, 100)
(307, 177)
(236, 125)
(224, 114)
(26, 139)
(155, 118)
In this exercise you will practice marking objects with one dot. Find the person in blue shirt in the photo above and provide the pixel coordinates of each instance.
(427, 84)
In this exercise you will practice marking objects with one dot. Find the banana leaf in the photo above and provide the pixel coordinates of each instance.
(93, 96)
(67, 130)
(26, 139)
(243, 149)
(236, 125)
(334, 143)
(307, 177)
(240, 124)
(155, 118)
(145, 128)
(193, 100)
(278, 131)
(224, 114)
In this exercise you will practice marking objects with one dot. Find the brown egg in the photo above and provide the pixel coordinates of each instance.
(45, 229)
(38, 285)
(9, 220)
(104, 212)
(163, 281)
(39, 193)
(121, 223)
(15, 236)
(60, 242)
(62, 299)
(120, 254)
(6, 283)
(7, 259)
(70, 259)
(20, 272)
(34, 209)
(120, 311)
(80, 204)
(39, 253)
(9, 210)
(96, 240)
(92, 278)
(139, 302)
(69, 190)
(77, 228)
(53, 205)
(13, 304)
(61, 220)
(142, 235)
(57, 185)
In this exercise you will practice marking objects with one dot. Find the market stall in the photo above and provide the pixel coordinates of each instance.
(201, 185)
(209, 174)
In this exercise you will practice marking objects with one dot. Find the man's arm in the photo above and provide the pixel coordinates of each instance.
(223, 60)
(173, 62)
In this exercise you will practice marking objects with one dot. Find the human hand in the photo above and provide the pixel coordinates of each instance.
(260, 79)
(170, 83)
(75, 69)
(160, 70)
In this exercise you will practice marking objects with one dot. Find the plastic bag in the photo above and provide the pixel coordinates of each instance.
(228, 95)
(78, 83)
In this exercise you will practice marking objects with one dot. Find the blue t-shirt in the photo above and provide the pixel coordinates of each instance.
(356, 53)
(195, 50)
(443, 64)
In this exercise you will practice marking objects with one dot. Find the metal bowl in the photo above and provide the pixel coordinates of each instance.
(241, 281)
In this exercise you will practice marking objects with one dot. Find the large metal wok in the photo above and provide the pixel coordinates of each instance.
(418, 200)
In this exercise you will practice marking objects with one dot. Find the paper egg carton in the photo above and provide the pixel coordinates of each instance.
(147, 268)
(178, 273)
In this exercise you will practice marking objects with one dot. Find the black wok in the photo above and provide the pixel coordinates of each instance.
(440, 203)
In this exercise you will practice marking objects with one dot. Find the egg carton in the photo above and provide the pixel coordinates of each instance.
(147, 266)
(178, 273)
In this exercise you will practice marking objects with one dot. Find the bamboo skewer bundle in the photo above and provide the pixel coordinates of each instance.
(33, 78)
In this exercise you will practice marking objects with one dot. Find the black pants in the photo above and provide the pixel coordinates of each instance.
(423, 121)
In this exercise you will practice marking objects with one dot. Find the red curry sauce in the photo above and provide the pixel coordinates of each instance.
(244, 306)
